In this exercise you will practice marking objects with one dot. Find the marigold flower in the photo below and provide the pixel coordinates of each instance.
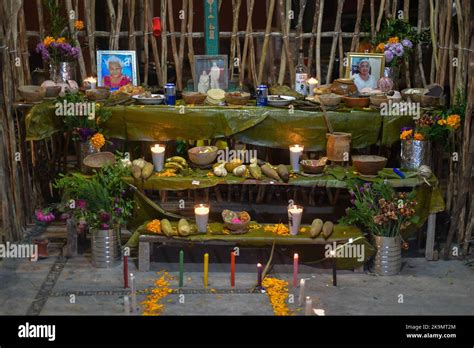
(97, 141)
(442, 122)
(406, 134)
(79, 25)
(277, 291)
(61, 40)
(393, 40)
(454, 121)
(48, 40)
(419, 136)
(380, 47)
(154, 226)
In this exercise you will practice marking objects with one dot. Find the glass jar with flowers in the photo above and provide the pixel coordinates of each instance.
(103, 202)
(384, 213)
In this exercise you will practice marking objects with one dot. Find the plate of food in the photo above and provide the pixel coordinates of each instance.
(280, 100)
(149, 98)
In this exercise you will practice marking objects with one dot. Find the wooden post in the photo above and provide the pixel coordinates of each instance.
(313, 32)
(318, 41)
(164, 43)
(190, 39)
(82, 66)
(265, 41)
(430, 237)
(154, 47)
(337, 31)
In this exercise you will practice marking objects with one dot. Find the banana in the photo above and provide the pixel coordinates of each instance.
(178, 159)
(174, 165)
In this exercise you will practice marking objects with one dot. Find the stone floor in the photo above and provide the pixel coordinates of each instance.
(45, 288)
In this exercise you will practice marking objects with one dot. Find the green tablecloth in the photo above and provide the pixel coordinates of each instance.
(272, 127)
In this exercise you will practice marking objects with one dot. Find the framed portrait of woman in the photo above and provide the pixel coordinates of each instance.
(365, 69)
(116, 69)
(210, 72)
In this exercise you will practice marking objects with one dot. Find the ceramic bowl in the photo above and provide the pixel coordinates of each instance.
(199, 156)
(369, 164)
(32, 94)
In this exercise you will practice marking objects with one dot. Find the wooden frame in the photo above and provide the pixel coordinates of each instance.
(127, 59)
(207, 64)
(371, 57)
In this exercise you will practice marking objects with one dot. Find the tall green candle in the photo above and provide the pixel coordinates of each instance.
(181, 268)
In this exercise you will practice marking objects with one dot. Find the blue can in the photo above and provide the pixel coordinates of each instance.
(170, 94)
(262, 95)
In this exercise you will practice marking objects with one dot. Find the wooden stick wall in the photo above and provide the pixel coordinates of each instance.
(129, 24)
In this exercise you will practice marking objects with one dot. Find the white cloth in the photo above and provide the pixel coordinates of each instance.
(370, 83)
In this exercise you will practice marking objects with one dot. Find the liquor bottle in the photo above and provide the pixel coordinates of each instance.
(301, 79)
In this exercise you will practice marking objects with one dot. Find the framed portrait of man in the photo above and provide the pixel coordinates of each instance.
(210, 72)
(116, 69)
(365, 68)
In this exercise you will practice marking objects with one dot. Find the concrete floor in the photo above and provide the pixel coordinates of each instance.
(45, 288)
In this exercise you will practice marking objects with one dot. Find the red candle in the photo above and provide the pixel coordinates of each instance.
(259, 277)
(232, 268)
(295, 270)
(125, 272)
(156, 26)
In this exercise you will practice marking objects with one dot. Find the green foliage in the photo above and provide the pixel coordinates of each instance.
(402, 29)
(57, 21)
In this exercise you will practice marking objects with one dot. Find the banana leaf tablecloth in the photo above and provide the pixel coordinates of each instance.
(271, 127)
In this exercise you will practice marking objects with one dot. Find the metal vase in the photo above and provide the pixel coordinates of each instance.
(85, 149)
(106, 248)
(62, 72)
(415, 153)
(388, 260)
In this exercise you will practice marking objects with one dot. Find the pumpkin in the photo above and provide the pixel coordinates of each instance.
(385, 84)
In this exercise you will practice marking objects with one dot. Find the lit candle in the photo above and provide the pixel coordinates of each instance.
(134, 293)
(181, 268)
(295, 153)
(91, 81)
(308, 308)
(206, 269)
(312, 83)
(201, 212)
(232, 268)
(158, 154)
(125, 272)
(302, 288)
(295, 213)
(126, 305)
(295, 270)
(259, 275)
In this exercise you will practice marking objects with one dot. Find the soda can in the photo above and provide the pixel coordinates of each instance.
(262, 95)
(170, 94)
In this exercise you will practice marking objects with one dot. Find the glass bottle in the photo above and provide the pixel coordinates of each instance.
(301, 72)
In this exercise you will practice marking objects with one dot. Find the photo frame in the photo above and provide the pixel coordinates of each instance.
(210, 71)
(116, 69)
(357, 65)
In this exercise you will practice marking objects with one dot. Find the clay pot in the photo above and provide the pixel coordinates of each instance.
(338, 144)
(344, 87)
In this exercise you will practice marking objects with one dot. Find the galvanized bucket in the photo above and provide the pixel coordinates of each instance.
(106, 252)
(388, 260)
(415, 153)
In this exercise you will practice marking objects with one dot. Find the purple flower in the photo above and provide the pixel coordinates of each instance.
(117, 200)
(399, 51)
(118, 211)
(104, 226)
(352, 193)
(85, 133)
(81, 204)
(123, 193)
(406, 128)
(367, 186)
(353, 201)
(64, 216)
(104, 217)
(361, 189)
(407, 43)
(388, 56)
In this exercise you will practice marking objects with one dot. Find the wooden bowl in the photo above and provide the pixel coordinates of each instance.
(97, 93)
(312, 166)
(99, 159)
(356, 102)
(200, 158)
(330, 99)
(52, 91)
(196, 98)
(236, 228)
(378, 99)
(414, 94)
(237, 98)
(431, 101)
(369, 164)
(32, 94)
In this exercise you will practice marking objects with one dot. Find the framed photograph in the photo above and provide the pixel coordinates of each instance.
(210, 72)
(365, 68)
(116, 69)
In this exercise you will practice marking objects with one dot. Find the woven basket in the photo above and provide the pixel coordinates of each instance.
(234, 99)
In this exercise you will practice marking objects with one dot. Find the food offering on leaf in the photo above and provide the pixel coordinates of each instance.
(236, 222)
(141, 169)
(237, 98)
(154, 226)
(130, 90)
(279, 229)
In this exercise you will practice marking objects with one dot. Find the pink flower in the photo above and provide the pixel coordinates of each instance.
(236, 221)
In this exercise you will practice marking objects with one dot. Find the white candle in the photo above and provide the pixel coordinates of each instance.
(319, 312)
(295, 213)
(308, 308)
(92, 81)
(313, 83)
(295, 154)
(158, 154)
(201, 211)
(126, 304)
(134, 292)
(301, 295)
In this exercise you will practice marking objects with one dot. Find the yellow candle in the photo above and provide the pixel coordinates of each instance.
(206, 269)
